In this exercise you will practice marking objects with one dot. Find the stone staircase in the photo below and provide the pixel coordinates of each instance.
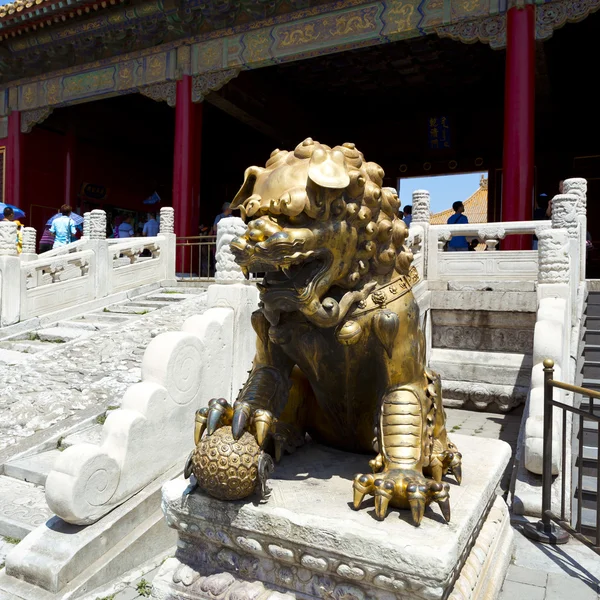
(588, 463)
(17, 349)
(22, 478)
(482, 342)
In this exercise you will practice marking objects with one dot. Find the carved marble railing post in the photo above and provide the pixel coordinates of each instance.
(97, 242)
(10, 274)
(565, 216)
(167, 228)
(29, 241)
(86, 224)
(227, 270)
(421, 215)
(551, 340)
(578, 187)
(491, 235)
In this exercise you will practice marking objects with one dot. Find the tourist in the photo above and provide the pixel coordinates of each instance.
(407, 218)
(47, 240)
(458, 243)
(125, 229)
(63, 228)
(150, 226)
(9, 215)
(473, 244)
(541, 212)
(226, 212)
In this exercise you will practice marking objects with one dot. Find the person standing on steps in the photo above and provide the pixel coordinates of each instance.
(9, 215)
(63, 229)
(458, 243)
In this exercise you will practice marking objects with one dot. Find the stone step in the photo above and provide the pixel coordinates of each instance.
(170, 297)
(591, 369)
(497, 368)
(198, 288)
(103, 317)
(13, 357)
(33, 469)
(87, 325)
(592, 323)
(589, 484)
(26, 346)
(593, 298)
(127, 309)
(89, 435)
(591, 352)
(590, 453)
(61, 334)
(22, 507)
(592, 337)
(592, 310)
(152, 303)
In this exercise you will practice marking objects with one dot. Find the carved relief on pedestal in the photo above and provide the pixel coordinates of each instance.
(8, 238)
(577, 186)
(421, 212)
(86, 224)
(167, 220)
(97, 225)
(211, 82)
(227, 268)
(564, 213)
(553, 256)
(29, 238)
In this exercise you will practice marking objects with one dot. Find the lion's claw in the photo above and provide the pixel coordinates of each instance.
(402, 489)
(242, 416)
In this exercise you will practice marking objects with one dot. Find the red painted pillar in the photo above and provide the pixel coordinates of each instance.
(186, 171)
(70, 168)
(14, 153)
(519, 107)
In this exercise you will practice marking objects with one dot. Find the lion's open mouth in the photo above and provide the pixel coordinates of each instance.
(298, 272)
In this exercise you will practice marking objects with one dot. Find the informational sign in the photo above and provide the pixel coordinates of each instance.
(93, 191)
(439, 133)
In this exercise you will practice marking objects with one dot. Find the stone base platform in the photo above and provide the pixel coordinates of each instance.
(306, 541)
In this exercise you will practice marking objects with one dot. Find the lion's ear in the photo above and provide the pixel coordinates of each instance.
(247, 188)
(328, 169)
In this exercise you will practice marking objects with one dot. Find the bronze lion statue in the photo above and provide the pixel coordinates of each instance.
(340, 353)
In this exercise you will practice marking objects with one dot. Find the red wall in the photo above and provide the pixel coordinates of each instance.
(129, 176)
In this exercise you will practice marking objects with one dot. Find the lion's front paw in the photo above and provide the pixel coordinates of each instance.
(403, 488)
(241, 416)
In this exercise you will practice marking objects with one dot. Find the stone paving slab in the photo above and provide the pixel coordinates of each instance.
(94, 371)
(33, 469)
(22, 507)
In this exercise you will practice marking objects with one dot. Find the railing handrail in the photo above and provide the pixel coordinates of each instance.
(502, 228)
(546, 530)
(197, 237)
(46, 261)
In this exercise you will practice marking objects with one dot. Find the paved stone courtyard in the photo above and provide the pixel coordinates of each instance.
(112, 362)
(94, 371)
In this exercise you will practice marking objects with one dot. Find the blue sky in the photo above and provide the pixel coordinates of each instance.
(444, 189)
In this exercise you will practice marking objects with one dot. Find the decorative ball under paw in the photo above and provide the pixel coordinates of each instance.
(225, 468)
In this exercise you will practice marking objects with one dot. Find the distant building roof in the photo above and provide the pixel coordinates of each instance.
(475, 207)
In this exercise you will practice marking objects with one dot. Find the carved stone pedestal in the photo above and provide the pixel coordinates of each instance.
(306, 541)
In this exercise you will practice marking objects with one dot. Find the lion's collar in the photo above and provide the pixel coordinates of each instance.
(386, 293)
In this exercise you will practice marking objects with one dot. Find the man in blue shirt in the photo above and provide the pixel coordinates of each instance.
(150, 226)
(458, 243)
(63, 228)
(226, 212)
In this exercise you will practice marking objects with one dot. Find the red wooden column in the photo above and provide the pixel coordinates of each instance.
(70, 168)
(519, 107)
(13, 158)
(186, 168)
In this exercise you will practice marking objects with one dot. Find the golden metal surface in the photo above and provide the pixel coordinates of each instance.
(337, 314)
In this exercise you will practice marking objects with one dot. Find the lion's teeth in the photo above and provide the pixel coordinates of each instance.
(286, 272)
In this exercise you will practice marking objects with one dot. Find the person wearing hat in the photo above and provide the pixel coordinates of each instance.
(226, 212)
